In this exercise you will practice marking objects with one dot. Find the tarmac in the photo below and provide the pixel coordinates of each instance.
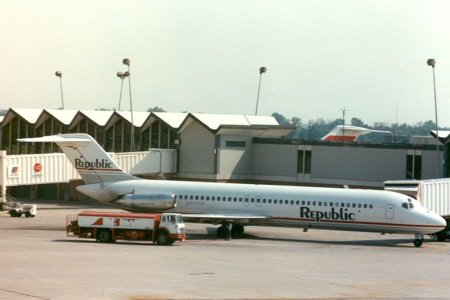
(38, 261)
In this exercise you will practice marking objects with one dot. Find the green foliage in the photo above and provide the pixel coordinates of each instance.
(156, 109)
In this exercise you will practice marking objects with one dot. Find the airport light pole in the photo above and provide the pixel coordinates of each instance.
(127, 62)
(343, 120)
(122, 76)
(261, 71)
(59, 74)
(432, 62)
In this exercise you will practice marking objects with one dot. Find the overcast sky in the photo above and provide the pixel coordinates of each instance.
(204, 56)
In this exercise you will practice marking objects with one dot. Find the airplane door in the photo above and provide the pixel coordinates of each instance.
(389, 211)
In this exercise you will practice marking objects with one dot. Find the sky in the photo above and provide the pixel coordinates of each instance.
(322, 56)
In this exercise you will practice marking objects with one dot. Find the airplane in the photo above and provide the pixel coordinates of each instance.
(348, 133)
(244, 204)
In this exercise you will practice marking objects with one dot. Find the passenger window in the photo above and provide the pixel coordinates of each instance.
(354, 205)
(359, 205)
(235, 199)
(202, 197)
(191, 197)
(270, 201)
(331, 204)
(240, 199)
(342, 204)
(297, 202)
(314, 203)
(370, 206)
(303, 202)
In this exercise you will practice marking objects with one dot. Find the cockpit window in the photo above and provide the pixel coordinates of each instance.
(408, 205)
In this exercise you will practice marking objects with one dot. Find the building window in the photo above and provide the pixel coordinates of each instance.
(413, 166)
(235, 144)
(304, 161)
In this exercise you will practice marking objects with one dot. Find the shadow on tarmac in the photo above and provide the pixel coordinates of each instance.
(402, 243)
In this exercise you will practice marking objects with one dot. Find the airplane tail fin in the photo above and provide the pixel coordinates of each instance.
(90, 160)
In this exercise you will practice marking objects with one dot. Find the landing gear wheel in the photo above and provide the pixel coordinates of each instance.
(418, 242)
(221, 231)
(104, 236)
(237, 230)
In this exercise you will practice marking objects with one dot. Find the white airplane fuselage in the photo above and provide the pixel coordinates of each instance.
(304, 207)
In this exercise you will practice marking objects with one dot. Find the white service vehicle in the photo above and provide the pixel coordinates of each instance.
(106, 227)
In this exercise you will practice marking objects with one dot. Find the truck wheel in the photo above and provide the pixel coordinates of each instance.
(162, 238)
(13, 213)
(104, 236)
(27, 214)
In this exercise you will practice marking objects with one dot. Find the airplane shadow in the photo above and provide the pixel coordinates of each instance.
(76, 240)
(402, 243)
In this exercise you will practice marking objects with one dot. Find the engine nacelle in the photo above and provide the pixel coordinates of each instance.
(146, 202)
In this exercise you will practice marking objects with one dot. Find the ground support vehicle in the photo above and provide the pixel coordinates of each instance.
(105, 227)
(16, 208)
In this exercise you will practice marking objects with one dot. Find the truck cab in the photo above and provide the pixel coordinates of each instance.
(174, 225)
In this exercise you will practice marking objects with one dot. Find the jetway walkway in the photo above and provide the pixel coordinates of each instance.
(32, 169)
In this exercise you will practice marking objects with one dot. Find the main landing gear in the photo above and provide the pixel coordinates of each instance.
(419, 240)
(236, 231)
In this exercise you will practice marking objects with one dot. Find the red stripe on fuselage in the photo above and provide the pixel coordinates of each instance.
(355, 222)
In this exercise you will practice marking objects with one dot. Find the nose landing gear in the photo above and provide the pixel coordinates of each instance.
(419, 240)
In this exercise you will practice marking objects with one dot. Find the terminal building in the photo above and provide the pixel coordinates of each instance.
(203, 147)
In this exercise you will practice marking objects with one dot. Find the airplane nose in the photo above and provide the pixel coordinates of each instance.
(438, 221)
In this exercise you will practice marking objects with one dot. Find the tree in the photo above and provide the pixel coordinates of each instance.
(156, 109)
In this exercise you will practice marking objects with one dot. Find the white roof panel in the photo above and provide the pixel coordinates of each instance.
(214, 121)
(138, 117)
(174, 120)
(98, 116)
(29, 114)
(64, 116)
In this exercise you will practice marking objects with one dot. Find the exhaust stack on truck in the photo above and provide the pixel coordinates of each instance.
(107, 227)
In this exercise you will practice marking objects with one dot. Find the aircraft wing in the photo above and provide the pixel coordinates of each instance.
(220, 218)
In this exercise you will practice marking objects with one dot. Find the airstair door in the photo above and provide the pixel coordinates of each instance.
(389, 211)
